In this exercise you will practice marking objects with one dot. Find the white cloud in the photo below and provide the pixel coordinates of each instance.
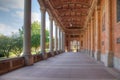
(6, 5)
(19, 14)
(4, 9)
(35, 17)
(6, 29)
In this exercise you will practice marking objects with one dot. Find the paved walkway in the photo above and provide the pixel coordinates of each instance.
(66, 66)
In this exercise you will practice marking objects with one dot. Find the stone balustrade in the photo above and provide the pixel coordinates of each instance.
(11, 64)
(8, 65)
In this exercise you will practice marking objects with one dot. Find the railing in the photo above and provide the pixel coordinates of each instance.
(11, 64)
(8, 65)
(37, 58)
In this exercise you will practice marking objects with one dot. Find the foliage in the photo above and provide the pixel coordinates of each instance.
(35, 35)
(17, 47)
(14, 44)
(47, 36)
(5, 45)
(21, 32)
(35, 41)
(35, 28)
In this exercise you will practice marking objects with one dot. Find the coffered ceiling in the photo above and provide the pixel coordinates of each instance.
(70, 14)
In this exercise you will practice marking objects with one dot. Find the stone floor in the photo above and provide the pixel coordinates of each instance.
(66, 66)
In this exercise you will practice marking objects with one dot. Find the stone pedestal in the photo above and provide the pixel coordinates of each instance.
(116, 62)
(107, 59)
(97, 55)
(28, 60)
(92, 54)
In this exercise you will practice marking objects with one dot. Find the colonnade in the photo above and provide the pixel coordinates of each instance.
(59, 34)
(99, 42)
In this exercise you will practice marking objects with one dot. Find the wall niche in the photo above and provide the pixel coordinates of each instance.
(118, 10)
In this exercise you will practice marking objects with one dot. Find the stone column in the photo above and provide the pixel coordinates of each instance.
(89, 38)
(42, 43)
(62, 40)
(59, 44)
(92, 37)
(109, 53)
(63, 46)
(27, 33)
(97, 40)
(56, 37)
(51, 35)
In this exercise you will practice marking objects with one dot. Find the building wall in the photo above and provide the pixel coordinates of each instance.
(103, 27)
(116, 35)
(103, 32)
(116, 30)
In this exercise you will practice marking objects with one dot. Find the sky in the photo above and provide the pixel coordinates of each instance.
(12, 15)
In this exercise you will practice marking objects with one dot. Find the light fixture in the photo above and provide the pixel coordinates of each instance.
(70, 24)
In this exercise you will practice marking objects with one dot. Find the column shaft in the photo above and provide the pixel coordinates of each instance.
(63, 41)
(92, 37)
(42, 43)
(56, 38)
(27, 33)
(59, 39)
(51, 35)
(109, 53)
(97, 38)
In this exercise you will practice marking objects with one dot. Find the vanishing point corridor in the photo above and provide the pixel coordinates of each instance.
(66, 66)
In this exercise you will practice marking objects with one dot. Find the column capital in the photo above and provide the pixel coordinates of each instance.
(51, 18)
(56, 24)
(43, 9)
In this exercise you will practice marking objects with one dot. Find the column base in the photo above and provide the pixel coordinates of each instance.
(28, 60)
(92, 54)
(55, 53)
(85, 51)
(44, 55)
(89, 52)
(97, 55)
(107, 59)
(116, 62)
(52, 53)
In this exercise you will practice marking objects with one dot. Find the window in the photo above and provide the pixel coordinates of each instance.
(118, 40)
(102, 43)
(103, 22)
(81, 43)
(118, 10)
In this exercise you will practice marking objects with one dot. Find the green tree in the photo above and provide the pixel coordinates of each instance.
(17, 47)
(35, 28)
(47, 39)
(35, 35)
(35, 41)
(5, 45)
(21, 32)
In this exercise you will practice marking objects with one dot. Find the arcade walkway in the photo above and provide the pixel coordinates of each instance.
(66, 66)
